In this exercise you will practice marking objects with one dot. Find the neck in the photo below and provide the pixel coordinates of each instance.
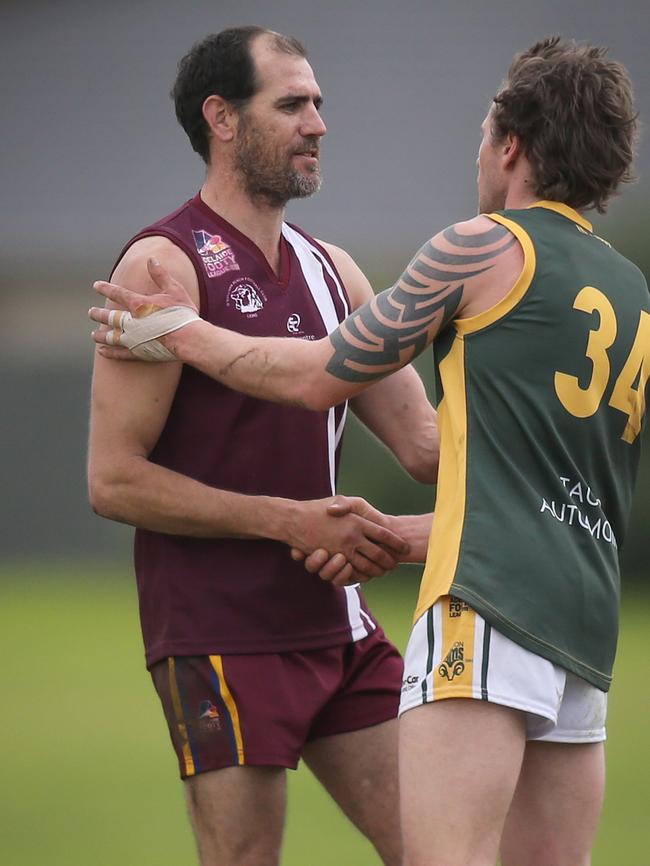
(520, 192)
(258, 220)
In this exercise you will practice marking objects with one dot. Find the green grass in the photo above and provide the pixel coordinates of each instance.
(88, 776)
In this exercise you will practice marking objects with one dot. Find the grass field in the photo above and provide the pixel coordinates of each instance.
(88, 776)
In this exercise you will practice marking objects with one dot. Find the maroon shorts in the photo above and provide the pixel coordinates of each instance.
(230, 710)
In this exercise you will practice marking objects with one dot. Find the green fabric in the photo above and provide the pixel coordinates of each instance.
(539, 555)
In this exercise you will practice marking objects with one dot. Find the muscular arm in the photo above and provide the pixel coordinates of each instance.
(460, 272)
(396, 409)
(129, 408)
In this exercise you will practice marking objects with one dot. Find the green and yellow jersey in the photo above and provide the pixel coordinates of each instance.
(542, 399)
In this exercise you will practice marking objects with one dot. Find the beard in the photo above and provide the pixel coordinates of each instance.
(266, 170)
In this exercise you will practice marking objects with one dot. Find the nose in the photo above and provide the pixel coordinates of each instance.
(313, 123)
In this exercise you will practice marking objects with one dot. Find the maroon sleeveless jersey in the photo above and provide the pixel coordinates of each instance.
(223, 595)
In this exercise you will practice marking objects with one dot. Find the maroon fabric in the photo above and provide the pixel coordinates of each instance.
(282, 701)
(204, 596)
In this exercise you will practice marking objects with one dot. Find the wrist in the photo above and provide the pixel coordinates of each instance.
(278, 519)
(187, 342)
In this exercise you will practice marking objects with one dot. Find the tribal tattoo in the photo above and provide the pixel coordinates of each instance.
(395, 326)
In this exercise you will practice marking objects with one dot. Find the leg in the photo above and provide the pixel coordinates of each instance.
(359, 770)
(556, 807)
(238, 815)
(459, 764)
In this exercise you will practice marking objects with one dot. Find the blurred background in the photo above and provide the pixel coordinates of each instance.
(91, 153)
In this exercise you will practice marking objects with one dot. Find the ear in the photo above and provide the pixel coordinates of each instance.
(221, 117)
(511, 150)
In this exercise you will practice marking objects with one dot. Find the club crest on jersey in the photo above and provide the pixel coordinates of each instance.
(217, 256)
(209, 716)
(246, 296)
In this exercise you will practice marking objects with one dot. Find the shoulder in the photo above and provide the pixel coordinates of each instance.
(479, 231)
(131, 271)
(355, 281)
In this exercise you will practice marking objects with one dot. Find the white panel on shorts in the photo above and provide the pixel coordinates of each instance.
(559, 706)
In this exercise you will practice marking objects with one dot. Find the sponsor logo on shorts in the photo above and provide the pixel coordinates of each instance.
(217, 256)
(454, 663)
(209, 716)
(410, 682)
(247, 297)
(457, 607)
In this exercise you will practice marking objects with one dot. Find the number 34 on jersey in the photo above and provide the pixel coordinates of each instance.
(628, 394)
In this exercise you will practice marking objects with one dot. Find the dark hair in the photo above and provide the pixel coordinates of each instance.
(220, 64)
(574, 113)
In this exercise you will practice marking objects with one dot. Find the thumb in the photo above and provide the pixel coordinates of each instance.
(158, 274)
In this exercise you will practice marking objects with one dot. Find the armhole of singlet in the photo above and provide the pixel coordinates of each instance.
(176, 239)
(516, 293)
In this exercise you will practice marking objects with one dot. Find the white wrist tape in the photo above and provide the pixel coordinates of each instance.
(139, 333)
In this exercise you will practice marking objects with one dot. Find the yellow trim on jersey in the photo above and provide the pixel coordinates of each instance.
(566, 211)
(516, 293)
(180, 719)
(229, 701)
(454, 676)
(447, 528)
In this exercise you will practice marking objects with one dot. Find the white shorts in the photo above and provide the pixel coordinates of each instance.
(454, 653)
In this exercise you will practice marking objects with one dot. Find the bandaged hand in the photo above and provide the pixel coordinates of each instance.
(139, 332)
(136, 329)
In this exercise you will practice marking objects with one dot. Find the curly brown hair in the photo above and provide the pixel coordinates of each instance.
(574, 113)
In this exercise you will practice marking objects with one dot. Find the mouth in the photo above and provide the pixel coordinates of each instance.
(310, 152)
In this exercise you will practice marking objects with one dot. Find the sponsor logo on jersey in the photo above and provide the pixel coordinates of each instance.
(457, 607)
(410, 682)
(217, 256)
(246, 296)
(209, 716)
(454, 663)
(293, 323)
(293, 327)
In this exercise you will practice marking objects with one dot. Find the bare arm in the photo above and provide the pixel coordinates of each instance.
(130, 405)
(459, 272)
(396, 409)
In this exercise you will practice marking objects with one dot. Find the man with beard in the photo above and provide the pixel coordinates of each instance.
(256, 661)
(541, 338)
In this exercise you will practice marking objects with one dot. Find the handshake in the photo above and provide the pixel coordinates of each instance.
(345, 540)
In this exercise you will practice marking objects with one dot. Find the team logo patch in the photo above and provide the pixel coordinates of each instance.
(217, 256)
(454, 663)
(209, 716)
(246, 296)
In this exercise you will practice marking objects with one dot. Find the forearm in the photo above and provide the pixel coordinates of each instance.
(148, 496)
(398, 412)
(270, 368)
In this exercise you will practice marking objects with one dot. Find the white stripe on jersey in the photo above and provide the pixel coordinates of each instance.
(313, 263)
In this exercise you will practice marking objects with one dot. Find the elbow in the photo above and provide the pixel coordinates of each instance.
(422, 464)
(424, 473)
(319, 402)
(320, 391)
(103, 498)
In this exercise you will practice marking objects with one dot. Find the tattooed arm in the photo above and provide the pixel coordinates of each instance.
(460, 272)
